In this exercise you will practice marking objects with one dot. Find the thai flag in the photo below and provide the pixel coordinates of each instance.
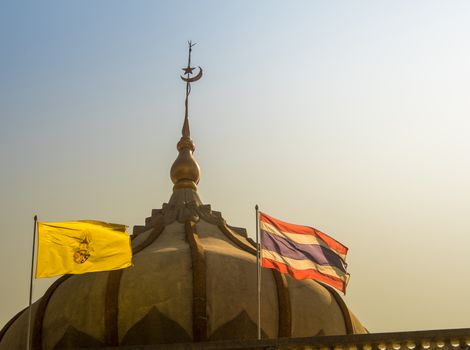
(302, 252)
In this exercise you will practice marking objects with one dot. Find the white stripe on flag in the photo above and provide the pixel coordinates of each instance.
(303, 264)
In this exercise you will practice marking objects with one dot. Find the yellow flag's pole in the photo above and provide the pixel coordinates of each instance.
(258, 271)
(28, 337)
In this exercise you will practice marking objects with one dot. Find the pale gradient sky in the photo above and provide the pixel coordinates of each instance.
(350, 116)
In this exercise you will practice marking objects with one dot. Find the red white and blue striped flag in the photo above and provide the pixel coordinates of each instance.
(302, 252)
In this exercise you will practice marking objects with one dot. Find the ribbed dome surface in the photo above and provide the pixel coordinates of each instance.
(194, 279)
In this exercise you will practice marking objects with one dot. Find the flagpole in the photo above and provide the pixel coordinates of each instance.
(258, 274)
(28, 338)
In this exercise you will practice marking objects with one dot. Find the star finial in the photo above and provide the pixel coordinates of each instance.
(188, 70)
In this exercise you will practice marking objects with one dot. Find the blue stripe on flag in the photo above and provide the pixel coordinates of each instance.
(314, 252)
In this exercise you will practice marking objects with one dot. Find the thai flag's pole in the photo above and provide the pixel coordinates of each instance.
(28, 337)
(258, 267)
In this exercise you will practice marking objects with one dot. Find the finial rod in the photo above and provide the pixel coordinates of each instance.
(190, 48)
(186, 131)
(188, 71)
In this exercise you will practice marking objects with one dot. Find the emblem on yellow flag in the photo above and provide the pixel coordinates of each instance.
(82, 253)
(76, 247)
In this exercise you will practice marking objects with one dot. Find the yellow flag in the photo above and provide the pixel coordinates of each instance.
(76, 247)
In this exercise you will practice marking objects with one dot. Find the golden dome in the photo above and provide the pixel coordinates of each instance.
(194, 279)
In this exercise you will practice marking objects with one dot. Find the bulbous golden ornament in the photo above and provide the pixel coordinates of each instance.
(185, 171)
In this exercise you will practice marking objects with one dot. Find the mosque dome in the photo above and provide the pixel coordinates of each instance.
(194, 279)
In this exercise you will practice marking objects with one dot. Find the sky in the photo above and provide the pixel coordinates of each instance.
(349, 116)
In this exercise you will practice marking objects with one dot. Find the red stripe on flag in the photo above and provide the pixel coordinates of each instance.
(304, 274)
(304, 230)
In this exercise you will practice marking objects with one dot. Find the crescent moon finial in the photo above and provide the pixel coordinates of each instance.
(188, 78)
(193, 79)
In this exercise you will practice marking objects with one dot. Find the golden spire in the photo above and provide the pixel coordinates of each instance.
(185, 171)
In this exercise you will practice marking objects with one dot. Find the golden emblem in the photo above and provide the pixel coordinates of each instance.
(82, 252)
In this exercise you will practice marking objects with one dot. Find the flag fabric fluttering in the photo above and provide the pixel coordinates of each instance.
(302, 252)
(76, 247)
